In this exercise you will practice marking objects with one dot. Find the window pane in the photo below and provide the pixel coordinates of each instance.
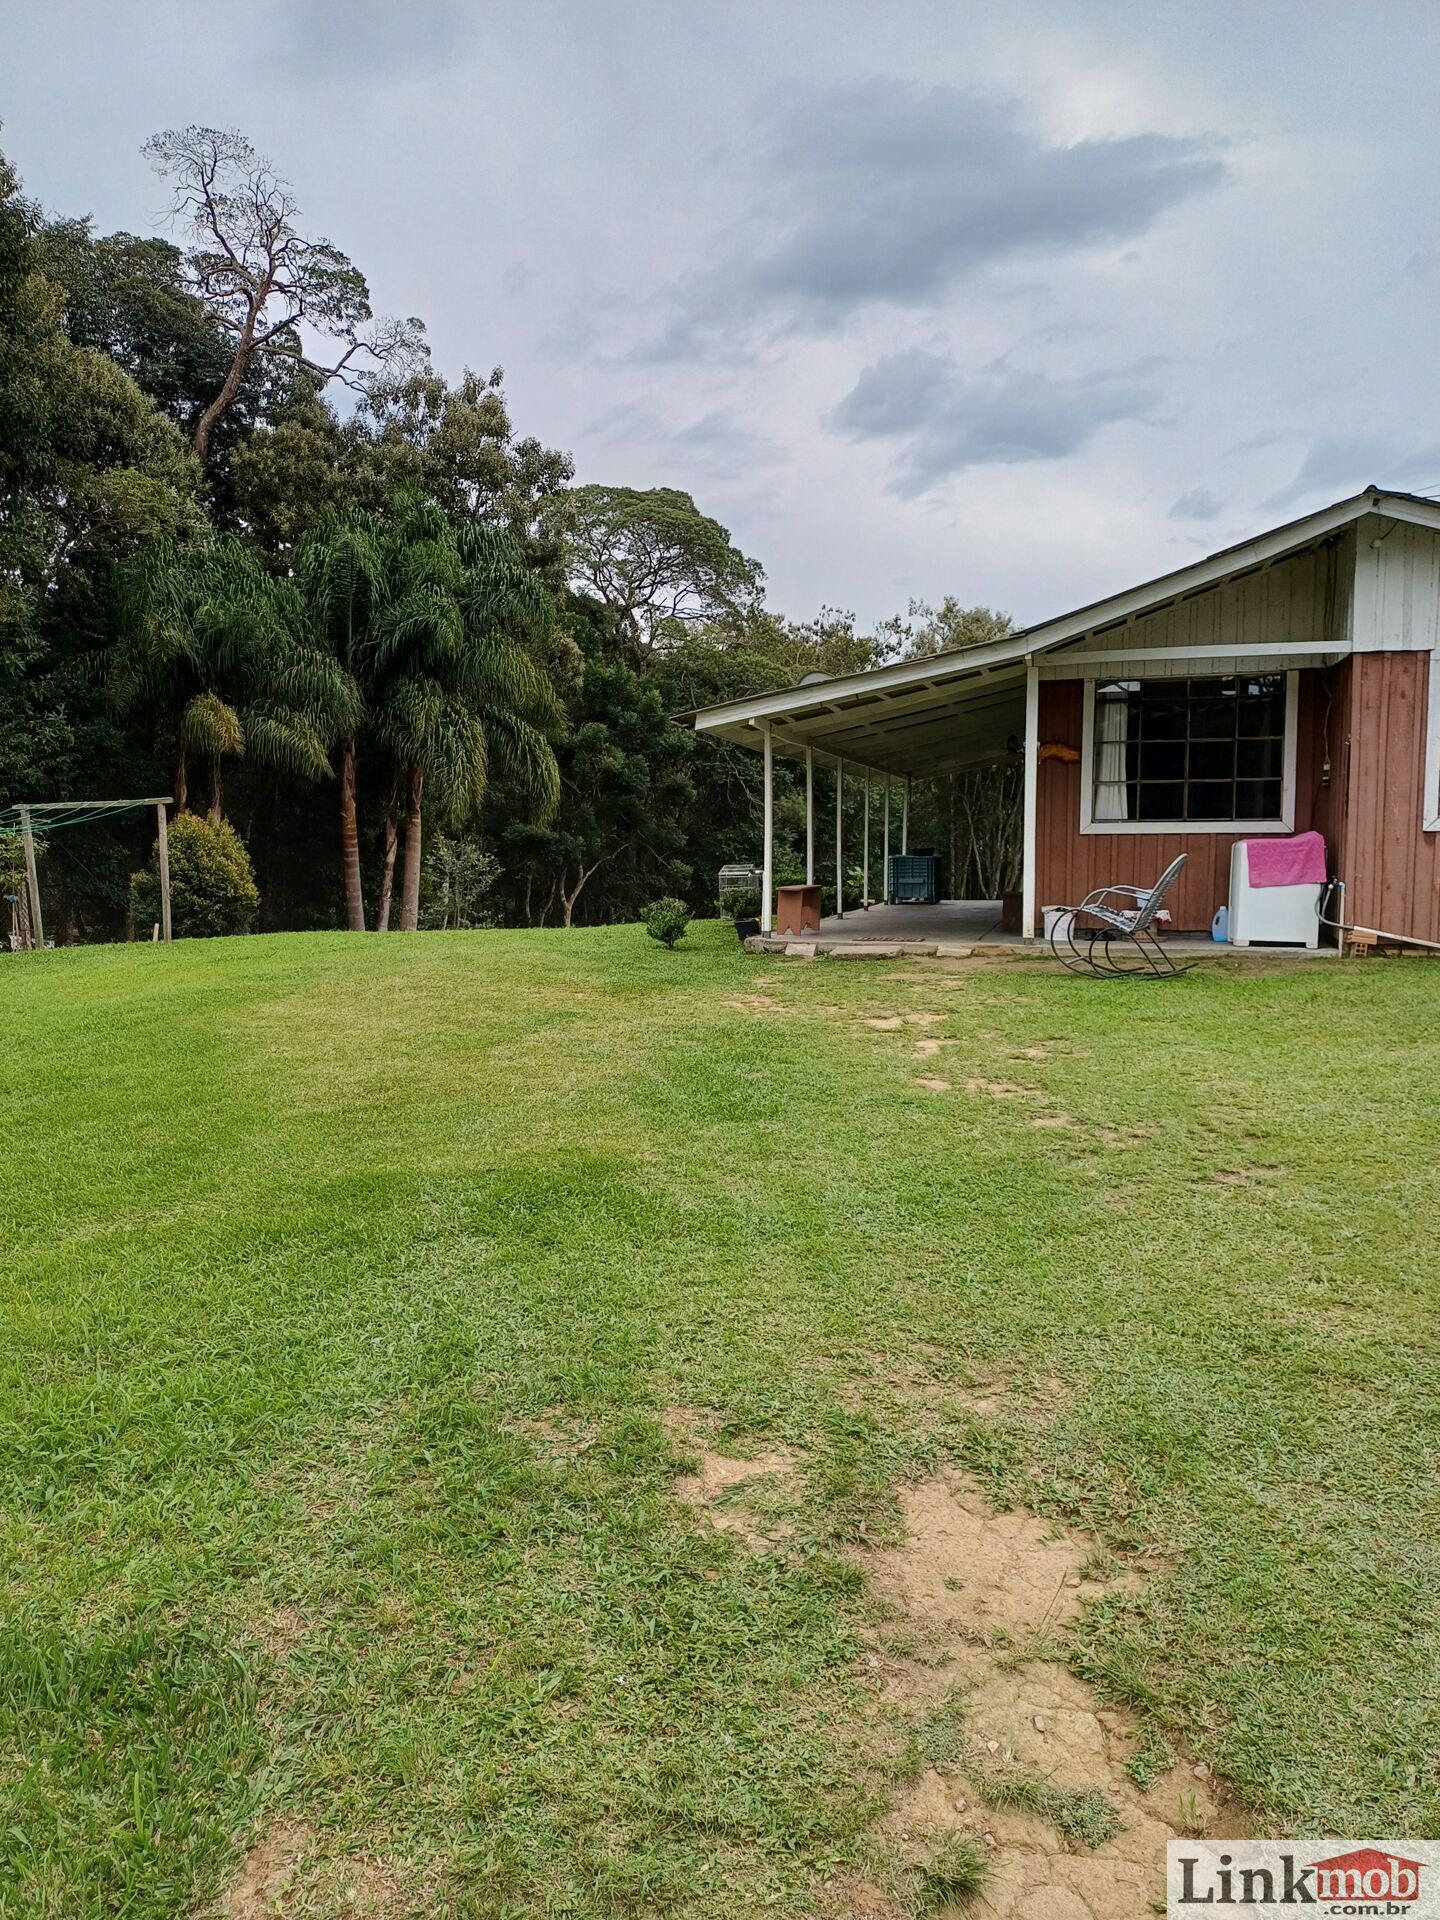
(1162, 760)
(1262, 708)
(1212, 718)
(1211, 800)
(1212, 760)
(1257, 800)
(1159, 800)
(1259, 759)
(1164, 718)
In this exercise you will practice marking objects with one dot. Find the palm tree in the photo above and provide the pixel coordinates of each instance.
(458, 695)
(341, 584)
(426, 636)
(204, 630)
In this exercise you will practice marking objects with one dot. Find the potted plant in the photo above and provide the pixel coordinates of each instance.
(743, 906)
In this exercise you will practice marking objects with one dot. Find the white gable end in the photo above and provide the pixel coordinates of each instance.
(1396, 606)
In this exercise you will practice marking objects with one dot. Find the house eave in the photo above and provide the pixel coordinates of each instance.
(1006, 660)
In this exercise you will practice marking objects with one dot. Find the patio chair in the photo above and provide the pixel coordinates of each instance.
(1122, 943)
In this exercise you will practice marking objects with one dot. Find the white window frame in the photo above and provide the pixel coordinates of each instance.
(1286, 822)
(1430, 798)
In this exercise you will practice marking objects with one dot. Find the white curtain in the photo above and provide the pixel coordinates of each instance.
(1112, 718)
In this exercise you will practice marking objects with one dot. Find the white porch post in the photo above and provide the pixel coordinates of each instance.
(865, 890)
(905, 818)
(767, 869)
(839, 838)
(885, 851)
(1032, 774)
(809, 816)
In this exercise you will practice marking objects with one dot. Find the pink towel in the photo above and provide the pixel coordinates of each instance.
(1297, 862)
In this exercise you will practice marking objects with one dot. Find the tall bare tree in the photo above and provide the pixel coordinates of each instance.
(264, 282)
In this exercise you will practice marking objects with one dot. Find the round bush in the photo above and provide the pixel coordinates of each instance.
(666, 919)
(212, 884)
(741, 903)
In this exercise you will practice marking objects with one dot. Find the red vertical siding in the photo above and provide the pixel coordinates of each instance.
(1070, 863)
(1330, 814)
(1391, 866)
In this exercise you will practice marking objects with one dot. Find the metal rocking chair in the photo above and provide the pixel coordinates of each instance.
(1124, 943)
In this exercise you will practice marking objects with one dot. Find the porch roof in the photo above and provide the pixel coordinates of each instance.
(964, 708)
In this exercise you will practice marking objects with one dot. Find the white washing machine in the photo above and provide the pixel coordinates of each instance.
(1270, 916)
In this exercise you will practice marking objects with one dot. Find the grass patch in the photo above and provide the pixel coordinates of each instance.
(346, 1287)
(1153, 1757)
(957, 1872)
(1083, 1816)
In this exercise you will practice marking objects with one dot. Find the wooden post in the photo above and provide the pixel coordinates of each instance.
(839, 839)
(905, 817)
(809, 816)
(162, 848)
(1032, 787)
(32, 883)
(767, 884)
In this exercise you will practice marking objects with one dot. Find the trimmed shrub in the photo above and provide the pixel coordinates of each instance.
(741, 903)
(212, 884)
(665, 919)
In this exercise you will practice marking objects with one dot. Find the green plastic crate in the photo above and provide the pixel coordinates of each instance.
(915, 877)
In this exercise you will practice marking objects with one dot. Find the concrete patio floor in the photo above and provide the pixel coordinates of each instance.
(960, 927)
(974, 922)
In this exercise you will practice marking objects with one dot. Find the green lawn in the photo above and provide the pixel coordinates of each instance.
(345, 1283)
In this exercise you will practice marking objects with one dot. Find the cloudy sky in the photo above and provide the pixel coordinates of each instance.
(1022, 303)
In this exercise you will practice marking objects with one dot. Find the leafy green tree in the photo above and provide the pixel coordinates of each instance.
(625, 793)
(655, 561)
(212, 884)
(290, 473)
(88, 465)
(89, 468)
(456, 883)
(757, 650)
(457, 446)
(130, 298)
(204, 638)
(260, 278)
(947, 628)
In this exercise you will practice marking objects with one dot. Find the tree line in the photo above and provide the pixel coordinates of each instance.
(256, 551)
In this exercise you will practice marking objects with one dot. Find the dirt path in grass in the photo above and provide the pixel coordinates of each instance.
(286, 1873)
(978, 1600)
(1069, 1810)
